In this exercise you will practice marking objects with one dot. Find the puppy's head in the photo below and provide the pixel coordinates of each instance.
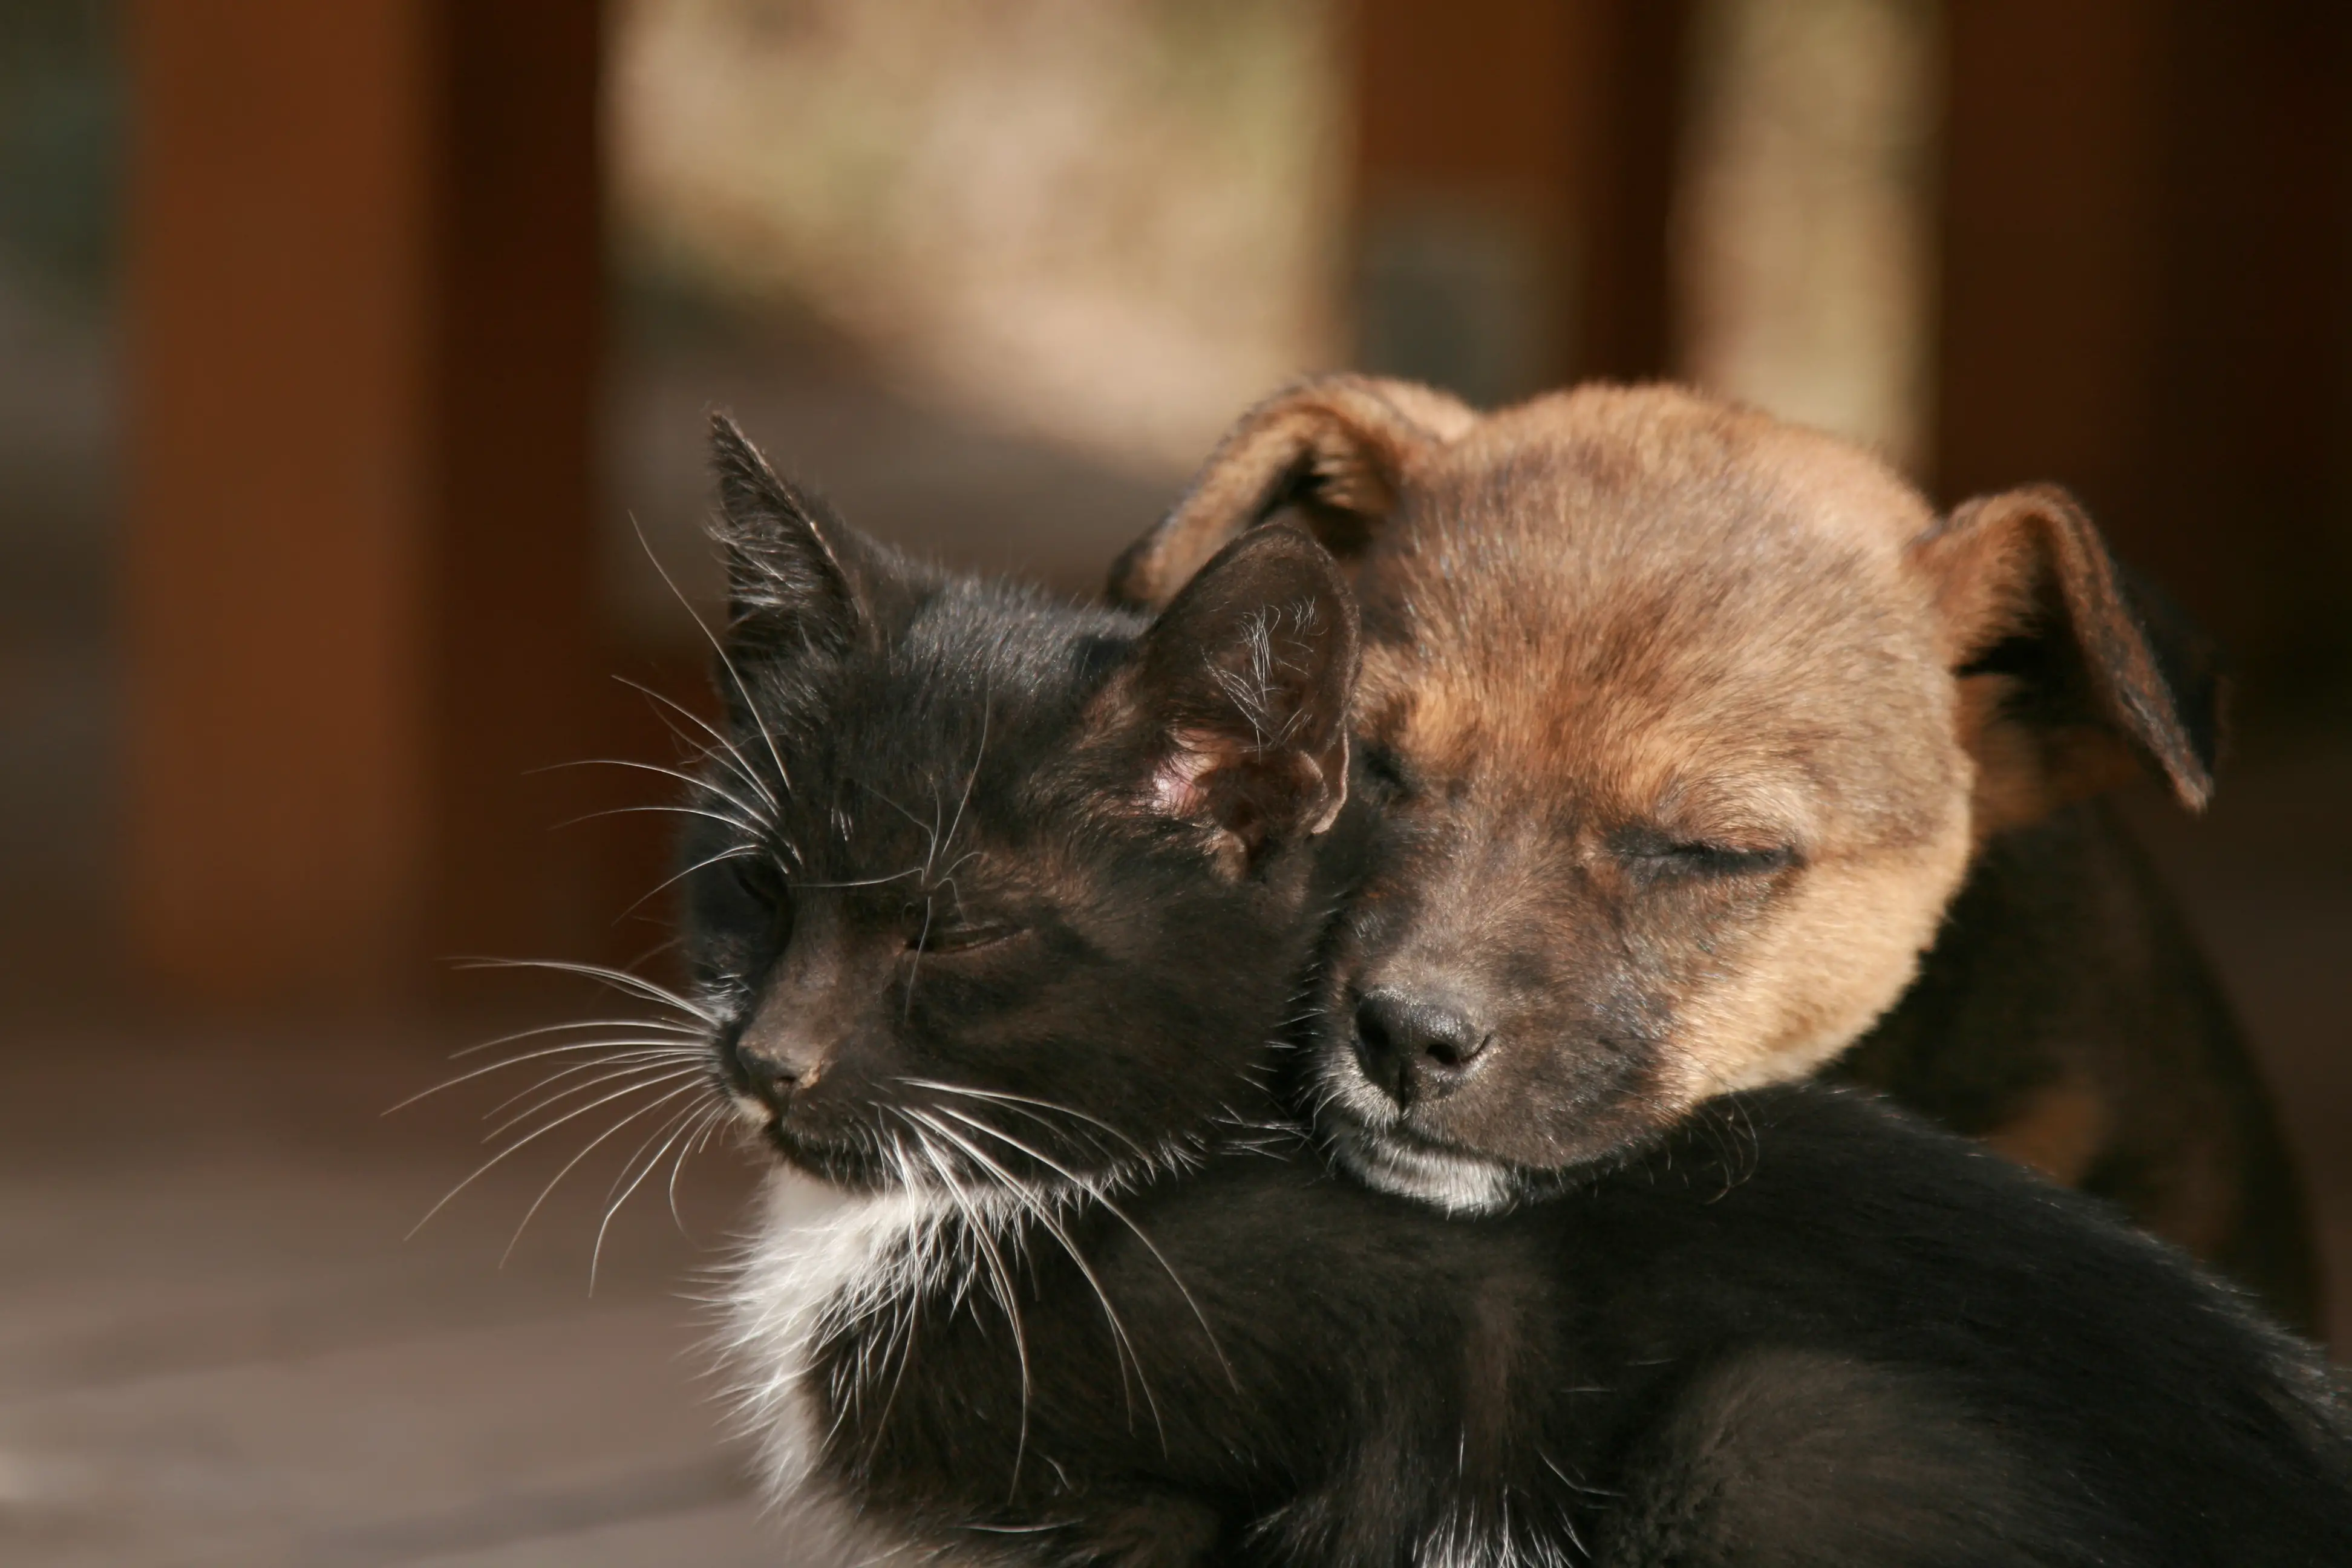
(1687, 723)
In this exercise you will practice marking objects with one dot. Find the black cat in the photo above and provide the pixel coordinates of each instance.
(1006, 905)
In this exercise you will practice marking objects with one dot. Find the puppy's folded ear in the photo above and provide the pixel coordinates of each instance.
(2073, 675)
(1231, 715)
(797, 576)
(1333, 450)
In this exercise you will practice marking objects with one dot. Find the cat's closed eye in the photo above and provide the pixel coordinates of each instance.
(757, 876)
(958, 936)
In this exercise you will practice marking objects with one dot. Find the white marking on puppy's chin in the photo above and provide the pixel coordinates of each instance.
(1461, 1184)
(1357, 1123)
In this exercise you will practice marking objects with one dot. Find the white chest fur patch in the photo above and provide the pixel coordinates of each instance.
(821, 1259)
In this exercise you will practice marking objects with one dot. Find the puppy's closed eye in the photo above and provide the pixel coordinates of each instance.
(1659, 856)
(1386, 769)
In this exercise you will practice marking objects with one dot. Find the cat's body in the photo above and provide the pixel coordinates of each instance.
(1002, 911)
(1801, 1330)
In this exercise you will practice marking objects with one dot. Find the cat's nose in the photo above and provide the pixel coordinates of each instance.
(1415, 1046)
(774, 1071)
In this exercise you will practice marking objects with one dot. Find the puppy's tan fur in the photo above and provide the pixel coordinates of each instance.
(1694, 723)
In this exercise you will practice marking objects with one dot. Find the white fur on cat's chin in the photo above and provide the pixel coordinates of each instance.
(821, 1259)
(1464, 1543)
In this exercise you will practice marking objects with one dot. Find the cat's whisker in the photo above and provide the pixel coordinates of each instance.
(646, 954)
(726, 662)
(619, 979)
(691, 1122)
(751, 813)
(693, 752)
(524, 1142)
(736, 761)
(898, 1340)
(932, 850)
(932, 827)
(668, 1132)
(662, 1024)
(1000, 1097)
(711, 1115)
(915, 968)
(1098, 1191)
(1087, 1135)
(980, 753)
(1015, 1188)
(947, 878)
(1002, 1278)
(739, 852)
(864, 883)
(612, 1069)
(592, 1144)
(666, 808)
(901, 1321)
(635, 1167)
(503, 1063)
(635, 1080)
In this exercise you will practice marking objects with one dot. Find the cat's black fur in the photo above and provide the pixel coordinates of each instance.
(1013, 903)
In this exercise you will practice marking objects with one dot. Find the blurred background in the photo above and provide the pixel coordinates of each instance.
(353, 366)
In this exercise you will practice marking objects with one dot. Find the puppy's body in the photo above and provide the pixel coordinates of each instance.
(2066, 1016)
(1692, 723)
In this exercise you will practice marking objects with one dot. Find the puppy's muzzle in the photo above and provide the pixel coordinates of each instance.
(1416, 1046)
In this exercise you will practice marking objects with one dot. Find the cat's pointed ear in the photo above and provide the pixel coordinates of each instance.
(2074, 675)
(796, 574)
(1234, 702)
(1333, 452)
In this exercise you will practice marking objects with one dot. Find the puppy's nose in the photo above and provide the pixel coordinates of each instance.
(1414, 1047)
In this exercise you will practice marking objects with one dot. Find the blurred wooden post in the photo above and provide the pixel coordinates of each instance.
(516, 644)
(2049, 283)
(1513, 185)
(2147, 205)
(1633, 81)
(363, 324)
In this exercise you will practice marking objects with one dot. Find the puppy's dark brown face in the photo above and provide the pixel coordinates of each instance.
(1671, 794)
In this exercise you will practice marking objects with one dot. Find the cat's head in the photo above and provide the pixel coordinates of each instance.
(990, 883)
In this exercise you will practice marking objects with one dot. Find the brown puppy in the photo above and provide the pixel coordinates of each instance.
(1692, 725)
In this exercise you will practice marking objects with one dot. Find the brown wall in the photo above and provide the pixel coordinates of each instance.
(2146, 278)
(364, 308)
(1546, 125)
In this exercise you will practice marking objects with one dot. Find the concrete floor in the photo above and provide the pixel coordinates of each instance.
(216, 1346)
